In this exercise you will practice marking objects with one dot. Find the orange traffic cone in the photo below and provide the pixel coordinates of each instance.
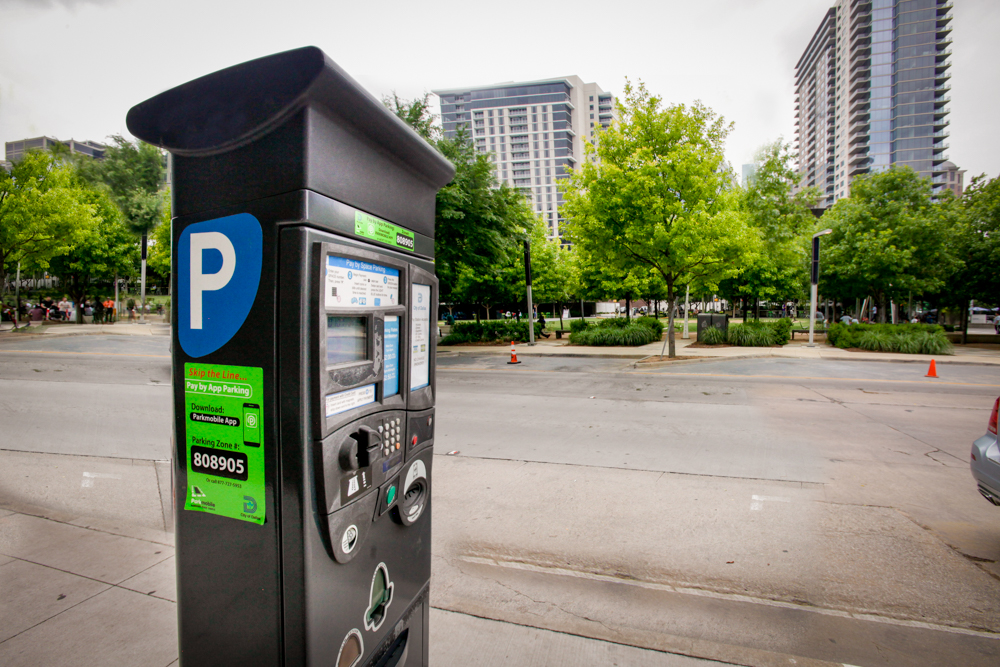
(513, 354)
(932, 371)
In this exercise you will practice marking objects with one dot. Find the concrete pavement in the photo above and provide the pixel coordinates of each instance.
(645, 604)
(78, 591)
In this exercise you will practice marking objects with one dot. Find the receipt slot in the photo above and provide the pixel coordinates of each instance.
(303, 365)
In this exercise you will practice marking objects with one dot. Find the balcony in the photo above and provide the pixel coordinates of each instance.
(859, 149)
(944, 99)
(860, 81)
(941, 146)
(941, 134)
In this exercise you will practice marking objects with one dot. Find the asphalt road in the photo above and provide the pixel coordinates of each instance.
(744, 511)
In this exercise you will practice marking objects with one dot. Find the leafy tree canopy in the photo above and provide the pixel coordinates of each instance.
(99, 252)
(43, 210)
(131, 173)
(660, 197)
(889, 238)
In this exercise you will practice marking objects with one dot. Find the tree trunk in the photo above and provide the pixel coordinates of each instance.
(965, 324)
(560, 316)
(628, 308)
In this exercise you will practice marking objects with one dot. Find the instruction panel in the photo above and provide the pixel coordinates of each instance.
(420, 336)
(224, 427)
(351, 283)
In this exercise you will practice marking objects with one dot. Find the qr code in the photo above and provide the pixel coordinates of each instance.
(333, 291)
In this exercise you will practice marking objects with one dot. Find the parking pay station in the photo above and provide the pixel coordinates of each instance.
(303, 365)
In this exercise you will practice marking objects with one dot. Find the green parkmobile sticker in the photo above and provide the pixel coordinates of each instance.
(377, 229)
(225, 442)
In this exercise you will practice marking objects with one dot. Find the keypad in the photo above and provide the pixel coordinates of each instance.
(392, 435)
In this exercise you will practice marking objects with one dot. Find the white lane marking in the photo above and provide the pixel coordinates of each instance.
(89, 477)
(757, 502)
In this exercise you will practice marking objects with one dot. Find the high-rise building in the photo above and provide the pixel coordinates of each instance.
(533, 132)
(15, 150)
(871, 91)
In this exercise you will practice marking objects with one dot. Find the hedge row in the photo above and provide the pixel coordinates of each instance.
(489, 331)
(755, 334)
(907, 338)
(616, 331)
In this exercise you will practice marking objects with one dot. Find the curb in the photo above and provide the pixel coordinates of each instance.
(636, 358)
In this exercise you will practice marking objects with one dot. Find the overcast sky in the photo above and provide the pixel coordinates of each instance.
(73, 68)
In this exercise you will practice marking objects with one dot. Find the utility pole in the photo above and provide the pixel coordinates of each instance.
(142, 307)
(527, 278)
(815, 284)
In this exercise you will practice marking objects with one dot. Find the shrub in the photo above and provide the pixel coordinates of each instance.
(454, 339)
(578, 325)
(630, 335)
(907, 338)
(934, 342)
(713, 336)
(651, 322)
(875, 341)
(751, 334)
(490, 331)
(613, 322)
(782, 330)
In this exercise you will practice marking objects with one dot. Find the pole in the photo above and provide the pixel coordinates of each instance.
(527, 279)
(687, 306)
(116, 309)
(813, 288)
(17, 295)
(142, 297)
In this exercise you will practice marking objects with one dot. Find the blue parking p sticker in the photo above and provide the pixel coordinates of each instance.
(218, 272)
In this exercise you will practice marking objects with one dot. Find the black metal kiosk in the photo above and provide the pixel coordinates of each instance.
(303, 365)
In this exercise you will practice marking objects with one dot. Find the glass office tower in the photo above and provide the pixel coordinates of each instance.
(888, 83)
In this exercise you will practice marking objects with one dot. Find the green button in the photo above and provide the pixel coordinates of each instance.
(390, 495)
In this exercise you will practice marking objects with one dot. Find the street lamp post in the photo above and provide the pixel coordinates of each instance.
(527, 280)
(813, 289)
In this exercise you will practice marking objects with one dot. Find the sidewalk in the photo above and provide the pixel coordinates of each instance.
(79, 591)
(151, 328)
(798, 349)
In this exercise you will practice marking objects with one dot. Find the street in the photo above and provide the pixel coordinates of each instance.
(744, 511)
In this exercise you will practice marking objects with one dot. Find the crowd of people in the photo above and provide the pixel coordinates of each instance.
(47, 309)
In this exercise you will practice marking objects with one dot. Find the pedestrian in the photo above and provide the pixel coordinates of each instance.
(541, 320)
(64, 306)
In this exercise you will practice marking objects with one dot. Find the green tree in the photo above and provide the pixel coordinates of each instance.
(660, 197)
(132, 174)
(975, 240)
(100, 252)
(416, 113)
(160, 244)
(42, 211)
(782, 217)
(890, 239)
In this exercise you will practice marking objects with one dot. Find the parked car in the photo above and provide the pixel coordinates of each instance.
(985, 463)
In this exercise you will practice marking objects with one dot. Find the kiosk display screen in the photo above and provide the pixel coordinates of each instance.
(352, 283)
(346, 339)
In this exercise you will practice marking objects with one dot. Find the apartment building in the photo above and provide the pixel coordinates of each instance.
(15, 150)
(533, 132)
(871, 90)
